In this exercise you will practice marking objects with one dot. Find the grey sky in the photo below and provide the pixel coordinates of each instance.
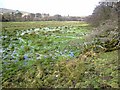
(63, 7)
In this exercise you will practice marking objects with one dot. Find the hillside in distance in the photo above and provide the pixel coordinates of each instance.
(4, 10)
(28, 16)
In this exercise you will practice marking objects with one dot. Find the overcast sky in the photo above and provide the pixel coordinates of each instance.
(63, 7)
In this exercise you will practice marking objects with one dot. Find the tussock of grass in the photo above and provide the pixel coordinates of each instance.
(94, 72)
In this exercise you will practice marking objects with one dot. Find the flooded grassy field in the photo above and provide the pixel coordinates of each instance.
(45, 54)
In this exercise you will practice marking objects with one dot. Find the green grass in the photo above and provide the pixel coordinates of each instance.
(29, 25)
(101, 71)
(45, 54)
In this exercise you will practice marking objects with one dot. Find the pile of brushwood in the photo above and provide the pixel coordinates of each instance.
(104, 38)
(105, 18)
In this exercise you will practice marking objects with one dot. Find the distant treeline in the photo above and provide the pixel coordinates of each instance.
(19, 16)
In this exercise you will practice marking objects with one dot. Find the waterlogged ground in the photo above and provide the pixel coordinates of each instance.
(45, 54)
(22, 48)
(41, 43)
